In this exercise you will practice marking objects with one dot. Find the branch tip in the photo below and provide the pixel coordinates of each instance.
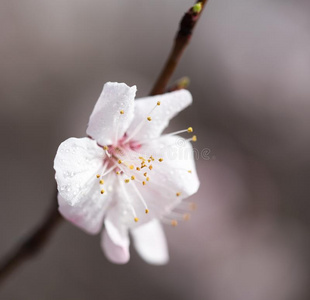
(197, 8)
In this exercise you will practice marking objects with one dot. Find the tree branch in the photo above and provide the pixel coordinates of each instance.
(182, 39)
(32, 244)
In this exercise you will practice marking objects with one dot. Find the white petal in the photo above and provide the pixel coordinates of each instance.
(115, 239)
(171, 176)
(170, 105)
(87, 215)
(76, 164)
(150, 242)
(114, 253)
(106, 123)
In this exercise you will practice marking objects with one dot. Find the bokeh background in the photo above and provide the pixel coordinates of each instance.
(249, 64)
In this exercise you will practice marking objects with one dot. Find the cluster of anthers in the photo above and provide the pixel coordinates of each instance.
(136, 167)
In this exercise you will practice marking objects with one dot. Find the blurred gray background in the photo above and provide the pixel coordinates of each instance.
(249, 64)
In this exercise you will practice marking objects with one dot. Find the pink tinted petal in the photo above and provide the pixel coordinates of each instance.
(170, 105)
(115, 239)
(115, 227)
(150, 242)
(76, 164)
(106, 123)
(118, 254)
(88, 213)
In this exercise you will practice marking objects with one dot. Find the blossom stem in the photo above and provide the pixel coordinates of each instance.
(182, 39)
(32, 243)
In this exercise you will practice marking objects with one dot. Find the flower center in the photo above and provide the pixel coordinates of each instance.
(125, 160)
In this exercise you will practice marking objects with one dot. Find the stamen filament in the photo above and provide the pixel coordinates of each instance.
(128, 200)
(110, 170)
(189, 130)
(140, 125)
(140, 197)
(103, 170)
(180, 216)
(171, 222)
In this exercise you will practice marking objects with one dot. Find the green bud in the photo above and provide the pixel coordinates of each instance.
(197, 8)
(183, 82)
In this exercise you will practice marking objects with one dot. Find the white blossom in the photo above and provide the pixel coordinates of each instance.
(127, 175)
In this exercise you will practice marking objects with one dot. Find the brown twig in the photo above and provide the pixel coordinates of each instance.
(32, 243)
(182, 39)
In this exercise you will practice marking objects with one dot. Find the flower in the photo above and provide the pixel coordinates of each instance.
(127, 175)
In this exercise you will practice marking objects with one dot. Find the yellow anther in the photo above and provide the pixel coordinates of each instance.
(158, 103)
(147, 178)
(149, 160)
(143, 182)
(178, 194)
(194, 138)
(121, 112)
(189, 171)
(146, 211)
(150, 167)
(131, 167)
(101, 181)
(141, 157)
(98, 176)
(152, 158)
(174, 223)
(102, 191)
(119, 161)
(133, 177)
(126, 180)
(145, 174)
(105, 148)
(136, 219)
(161, 159)
(190, 129)
(193, 206)
(149, 118)
(137, 168)
(186, 217)
(117, 173)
